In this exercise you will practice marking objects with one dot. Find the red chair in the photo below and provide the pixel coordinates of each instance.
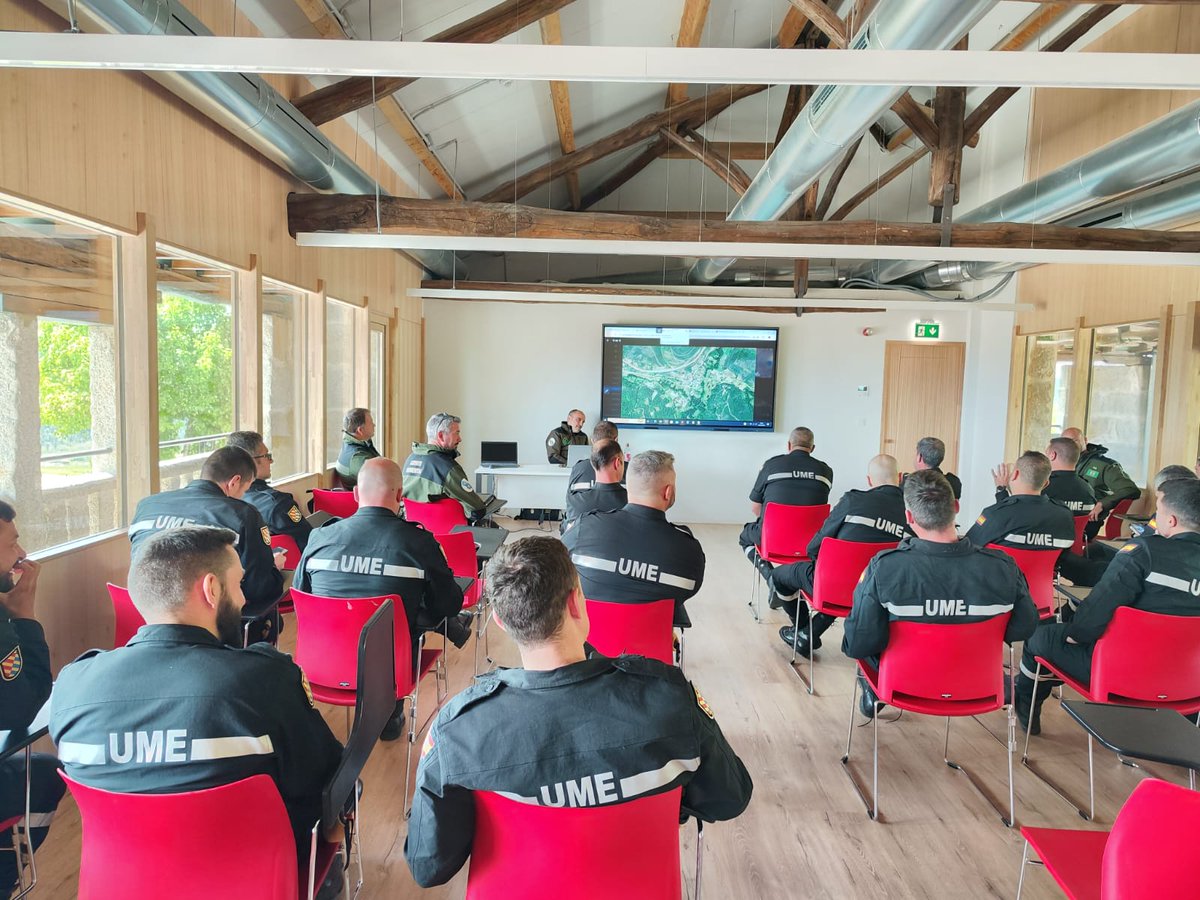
(939, 670)
(327, 634)
(440, 516)
(1147, 856)
(838, 569)
(1038, 568)
(1142, 659)
(337, 503)
(786, 532)
(627, 850)
(459, 547)
(1080, 545)
(1116, 520)
(291, 550)
(641, 628)
(128, 619)
(239, 845)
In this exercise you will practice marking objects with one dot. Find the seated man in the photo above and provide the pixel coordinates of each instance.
(931, 452)
(796, 478)
(874, 516)
(935, 577)
(1156, 572)
(432, 472)
(1027, 519)
(1105, 477)
(216, 498)
(608, 468)
(634, 555)
(616, 729)
(358, 428)
(569, 434)
(179, 708)
(375, 552)
(278, 508)
(583, 476)
(24, 686)
(1064, 485)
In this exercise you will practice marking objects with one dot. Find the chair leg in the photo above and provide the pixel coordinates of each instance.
(1024, 862)
(977, 784)
(1042, 776)
(21, 840)
(412, 737)
(810, 679)
(754, 592)
(870, 801)
(699, 856)
(356, 832)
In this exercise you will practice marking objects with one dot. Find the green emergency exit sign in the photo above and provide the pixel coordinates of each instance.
(930, 331)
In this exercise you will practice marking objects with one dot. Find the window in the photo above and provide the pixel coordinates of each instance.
(195, 363)
(283, 377)
(1121, 395)
(60, 449)
(1049, 363)
(377, 398)
(341, 360)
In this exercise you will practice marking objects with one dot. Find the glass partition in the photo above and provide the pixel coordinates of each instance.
(1121, 396)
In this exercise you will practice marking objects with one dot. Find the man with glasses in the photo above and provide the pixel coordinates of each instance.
(278, 509)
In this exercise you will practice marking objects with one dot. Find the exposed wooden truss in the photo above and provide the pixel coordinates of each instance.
(732, 149)
(835, 180)
(700, 149)
(623, 175)
(560, 97)
(691, 28)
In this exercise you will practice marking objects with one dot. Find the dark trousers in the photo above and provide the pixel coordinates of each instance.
(791, 579)
(45, 788)
(749, 539)
(1050, 643)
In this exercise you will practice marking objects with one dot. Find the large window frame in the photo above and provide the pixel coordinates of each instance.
(378, 368)
(276, 297)
(1128, 431)
(336, 348)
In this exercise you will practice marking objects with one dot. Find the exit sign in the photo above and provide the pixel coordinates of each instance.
(927, 330)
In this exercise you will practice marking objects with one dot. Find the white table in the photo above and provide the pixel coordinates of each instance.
(527, 487)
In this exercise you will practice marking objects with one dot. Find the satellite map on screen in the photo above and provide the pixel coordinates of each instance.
(705, 383)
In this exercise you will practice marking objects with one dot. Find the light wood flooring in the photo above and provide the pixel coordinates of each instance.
(805, 834)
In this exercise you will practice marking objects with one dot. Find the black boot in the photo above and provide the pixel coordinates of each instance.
(458, 629)
(395, 725)
(764, 568)
(1028, 700)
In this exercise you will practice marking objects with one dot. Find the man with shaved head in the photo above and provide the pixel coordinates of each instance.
(873, 516)
(374, 552)
(1104, 476)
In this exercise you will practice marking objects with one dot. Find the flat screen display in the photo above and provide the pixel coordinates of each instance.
(679, 377)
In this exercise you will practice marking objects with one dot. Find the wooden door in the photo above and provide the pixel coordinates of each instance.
(922, 397)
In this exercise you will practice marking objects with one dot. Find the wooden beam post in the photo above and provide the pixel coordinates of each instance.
(139, 342)
(560, 97)
(248, 346)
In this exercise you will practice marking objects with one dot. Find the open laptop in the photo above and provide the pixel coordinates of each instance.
(578, 453)
(498, 454)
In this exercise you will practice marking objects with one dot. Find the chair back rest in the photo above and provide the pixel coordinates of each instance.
(459, 547)
(1148, 658)
(1114, 523)
(337, 503)
(954, 666)
(128, 619)
(838, 568)
(1149, 854)
(327, 639)
(639, 628)
(1038, 568)
(786, 529)
(440, 516)
(1080, 545)
(291, 550)
(234, 842)
(627, 850)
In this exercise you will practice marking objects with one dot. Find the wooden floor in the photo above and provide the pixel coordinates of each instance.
(805, 833)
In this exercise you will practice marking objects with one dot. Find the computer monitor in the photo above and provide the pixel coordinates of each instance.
(498, 453)
(578, 453)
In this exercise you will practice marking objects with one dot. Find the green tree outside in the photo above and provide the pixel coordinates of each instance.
(195, 369)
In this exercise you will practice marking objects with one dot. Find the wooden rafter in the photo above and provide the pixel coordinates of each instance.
(945, 170)
(825, 19)
(560, 97)
(700, 149)
(623, 175)
(691, 28)
(835, 180)
(320, 18)
(732, 149)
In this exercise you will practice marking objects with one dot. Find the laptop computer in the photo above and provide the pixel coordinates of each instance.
(498, 454)
(578, 453)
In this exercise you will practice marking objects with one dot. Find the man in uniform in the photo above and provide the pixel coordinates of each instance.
(1028, 518)
(278, 508)
(24, 686)
(1105, 477)
(569, 434)
(217, 498)
(936, 577)
(566, 729)
(931, 452)
(634, 555)
(583, 476)
(873, 516)
(795, 478)
(358, 428)
(181, 709)
(608, 468)
(374, 552)
(1159, 573)
(432, 472)
(1064, 485)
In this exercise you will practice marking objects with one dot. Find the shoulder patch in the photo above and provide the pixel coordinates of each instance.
(981, 520)
(266, 535)
(702, 703)
(1128, 548)
(550, 441)
(466, 485)
(294, 514)
(428, 744)
(307, 689)
(12, 664)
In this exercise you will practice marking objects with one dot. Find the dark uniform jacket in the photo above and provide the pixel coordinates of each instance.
(176, 710)
(354, 454)
(1154, 573)
(1026, 522)
(927, 581)
(634, 555)
(601, 496)
(594, 733)
(796, 478)
(375, 552)
(558, 440)
(432, 473)
(583, 476)
(1067, 488)
(866, 517)
(954, 480)
(204, 503)
(1105, 477)
(279, 511)
(24, 672)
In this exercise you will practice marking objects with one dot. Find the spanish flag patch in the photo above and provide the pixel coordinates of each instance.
(981, 520)
(428, 744)
(1127, 548)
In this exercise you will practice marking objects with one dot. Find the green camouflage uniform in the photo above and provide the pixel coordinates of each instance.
(1105, 477)
(433, 473)
(354, 454)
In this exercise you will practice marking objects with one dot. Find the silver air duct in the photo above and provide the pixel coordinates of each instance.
(246, 106)
(837, 115)
(1163, 149)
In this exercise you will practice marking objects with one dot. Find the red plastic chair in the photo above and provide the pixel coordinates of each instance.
(838, 569)
(1080, 545)
(128, 619)
(459, 547)
(640, 628)
(1143, 659)
(239, 844)
(1116, 520)
(938, 670)
(1038, 568)
(627, 850)
(440, 516)
(337, 503)
(1148, 855)
(291, 550)
(786, 532)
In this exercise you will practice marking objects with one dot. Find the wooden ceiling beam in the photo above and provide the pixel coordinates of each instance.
(732, 149)
(623, 175)
(560, 97)
(320, 18)
(824, 19)
(691, 29)
(835, 179)
(700, 149)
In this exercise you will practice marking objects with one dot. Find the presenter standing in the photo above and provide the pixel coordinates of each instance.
(569, 433)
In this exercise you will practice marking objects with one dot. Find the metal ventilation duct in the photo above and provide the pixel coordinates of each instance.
(837, 115)
(246, 106)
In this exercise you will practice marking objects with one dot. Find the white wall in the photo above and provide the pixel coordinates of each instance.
(511, 371)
